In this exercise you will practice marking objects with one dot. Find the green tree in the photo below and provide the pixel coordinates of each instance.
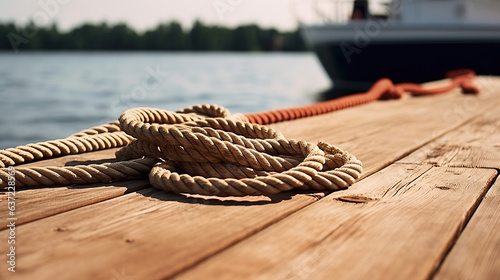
(118, 37)
(198, 39)
(5, 30)
(87, 37)
(269, 40)
(166, 36)
(245, 38)
(293, 41)
(49, 38)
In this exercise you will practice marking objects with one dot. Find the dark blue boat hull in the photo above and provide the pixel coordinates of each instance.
(355, 69)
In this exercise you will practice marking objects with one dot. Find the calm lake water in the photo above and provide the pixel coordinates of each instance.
(46, 96)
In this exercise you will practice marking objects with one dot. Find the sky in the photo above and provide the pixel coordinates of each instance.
(144, 14)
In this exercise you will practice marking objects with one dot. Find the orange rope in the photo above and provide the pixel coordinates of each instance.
(382, 89)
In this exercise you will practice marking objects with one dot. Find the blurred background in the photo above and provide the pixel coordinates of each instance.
(66, 65)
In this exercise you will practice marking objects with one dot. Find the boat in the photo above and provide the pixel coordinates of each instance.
(361, 41)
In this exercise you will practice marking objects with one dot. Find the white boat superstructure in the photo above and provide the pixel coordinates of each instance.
(449, 11)
(359, 41)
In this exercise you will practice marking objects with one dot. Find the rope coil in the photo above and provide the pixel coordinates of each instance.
(253, 159)
(199, 149)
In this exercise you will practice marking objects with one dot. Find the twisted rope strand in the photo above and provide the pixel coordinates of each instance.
(81, 174)
(61, 147)
(113, 126)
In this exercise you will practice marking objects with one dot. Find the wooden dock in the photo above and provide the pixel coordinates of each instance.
(428, 207)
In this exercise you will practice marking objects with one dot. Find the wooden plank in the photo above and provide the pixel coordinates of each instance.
(34, 204)
(86, 158)
(476, 255)
(476, 144)
(384, 227)
(148, 234)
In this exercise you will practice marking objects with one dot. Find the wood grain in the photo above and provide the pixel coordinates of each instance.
(148, 234)
(85, 158)
(400, 230)
(476, 144)
(476, 255)
(34, 204)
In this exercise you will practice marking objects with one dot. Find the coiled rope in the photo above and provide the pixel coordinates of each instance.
(196, 150)
(204, 150)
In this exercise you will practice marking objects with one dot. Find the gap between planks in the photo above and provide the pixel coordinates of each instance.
(476, 255)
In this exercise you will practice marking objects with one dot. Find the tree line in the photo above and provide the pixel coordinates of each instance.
(164, 37)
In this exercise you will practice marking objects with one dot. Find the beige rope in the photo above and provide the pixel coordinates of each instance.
(200, 149)
(62, 147)
(82, 174)
(113, 126)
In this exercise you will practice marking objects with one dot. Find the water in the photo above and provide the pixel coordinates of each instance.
(46, 96)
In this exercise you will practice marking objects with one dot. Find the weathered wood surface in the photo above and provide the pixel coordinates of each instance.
(402, 219)
(35, 204)
(384, 227)
(476, 144)
(150, 233)
(476, 255)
